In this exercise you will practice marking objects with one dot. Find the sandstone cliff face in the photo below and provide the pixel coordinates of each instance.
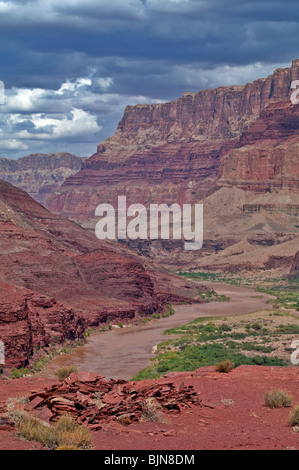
(205, 116)
(40, 174)
(267, 156)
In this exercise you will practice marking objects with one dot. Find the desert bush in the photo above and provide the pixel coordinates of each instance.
(294, 416)
(65, 433)
(225, 366)
(278, 399)
(65, 372)
(151, 410)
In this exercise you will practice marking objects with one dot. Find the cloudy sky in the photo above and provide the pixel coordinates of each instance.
(69, 67)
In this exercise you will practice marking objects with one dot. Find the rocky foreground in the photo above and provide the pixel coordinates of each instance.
(196, 410)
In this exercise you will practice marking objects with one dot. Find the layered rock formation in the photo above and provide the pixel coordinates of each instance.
(191, 150)
(30, 321)
(121, 400)
(39, 174)
(57, 278)
(170, 151)
(222, 418)
(295, 265)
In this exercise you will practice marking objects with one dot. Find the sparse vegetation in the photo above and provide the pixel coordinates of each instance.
(294, 416)
(253, 339)
(168, 312)
(278, 398)
(211, 296)
(151, 410)
(65, 372)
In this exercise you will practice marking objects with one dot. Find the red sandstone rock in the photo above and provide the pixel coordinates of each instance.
(31, 321)
(266, 158)
(172, 152)
(295, 265)
(40, 174)
(79, 395)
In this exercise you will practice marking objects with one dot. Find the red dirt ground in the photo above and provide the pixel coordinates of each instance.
(241, 421)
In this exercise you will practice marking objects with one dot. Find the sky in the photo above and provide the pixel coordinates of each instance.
(68, 68)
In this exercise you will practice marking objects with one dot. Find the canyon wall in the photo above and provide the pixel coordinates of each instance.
(40, 174)
(234, 149)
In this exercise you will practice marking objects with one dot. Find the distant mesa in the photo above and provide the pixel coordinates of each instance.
(39, 174)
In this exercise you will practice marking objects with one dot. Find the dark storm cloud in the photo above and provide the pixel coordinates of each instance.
(65, 62)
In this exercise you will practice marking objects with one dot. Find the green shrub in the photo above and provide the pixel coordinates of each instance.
(156, 315)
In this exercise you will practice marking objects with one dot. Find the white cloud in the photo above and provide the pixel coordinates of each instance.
(73, 113)
(101, 13)
(193, 76)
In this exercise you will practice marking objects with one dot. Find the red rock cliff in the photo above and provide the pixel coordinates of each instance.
(29, 321)
(56, 278)
(39, 174)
